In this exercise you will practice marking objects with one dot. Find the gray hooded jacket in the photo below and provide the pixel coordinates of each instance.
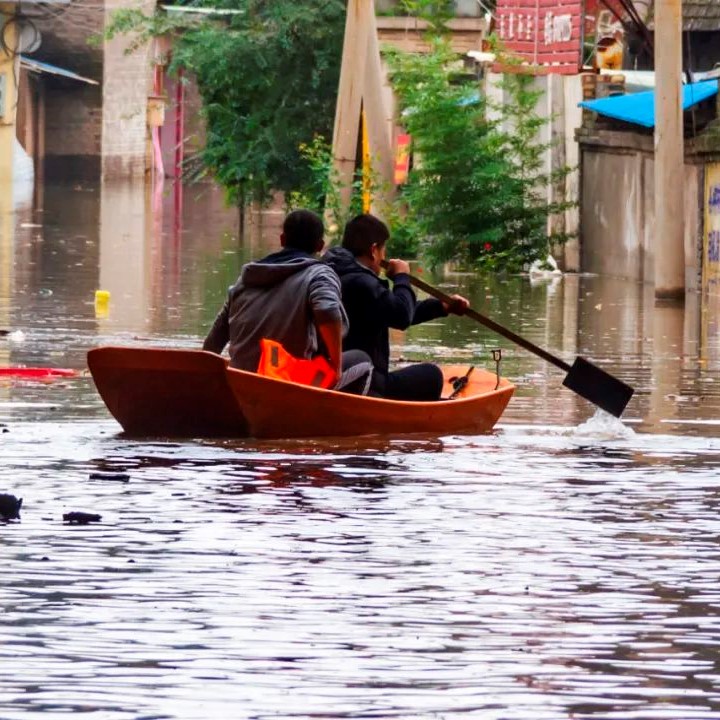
(282, 297)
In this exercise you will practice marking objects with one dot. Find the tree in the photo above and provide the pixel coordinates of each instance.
(268, 78)
(477, 194)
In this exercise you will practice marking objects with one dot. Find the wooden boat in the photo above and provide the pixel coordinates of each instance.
(191, 393)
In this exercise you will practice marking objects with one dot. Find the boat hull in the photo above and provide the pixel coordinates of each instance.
(189, 393)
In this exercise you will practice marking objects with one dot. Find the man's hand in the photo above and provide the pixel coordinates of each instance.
(395, 267)
(458, 305)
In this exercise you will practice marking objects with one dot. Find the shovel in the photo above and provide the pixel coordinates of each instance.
(584, 378)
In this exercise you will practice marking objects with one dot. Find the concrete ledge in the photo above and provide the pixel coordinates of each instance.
(701, 149)
(407, 33)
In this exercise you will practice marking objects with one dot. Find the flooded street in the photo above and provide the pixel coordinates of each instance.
(564, 566)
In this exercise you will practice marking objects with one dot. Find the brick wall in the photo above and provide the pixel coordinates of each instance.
(93, 130)
(73, 110)
(126, 85)
(66, 31)
(73, 125)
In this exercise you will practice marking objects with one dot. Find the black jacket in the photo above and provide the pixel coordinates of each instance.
(372, 307)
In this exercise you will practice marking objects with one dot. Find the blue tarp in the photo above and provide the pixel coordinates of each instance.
(639, 108)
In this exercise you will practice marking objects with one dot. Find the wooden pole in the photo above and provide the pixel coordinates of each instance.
(349, 102)
(378, 118)
(669, 152)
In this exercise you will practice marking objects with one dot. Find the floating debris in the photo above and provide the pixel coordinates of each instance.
(81, 518)
(117, 476)
(9, 506)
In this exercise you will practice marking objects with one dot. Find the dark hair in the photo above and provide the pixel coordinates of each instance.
(303, 230)
(362, 232)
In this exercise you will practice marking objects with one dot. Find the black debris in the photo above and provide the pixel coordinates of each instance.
(81, 518)
(9, 506)
(118, 477)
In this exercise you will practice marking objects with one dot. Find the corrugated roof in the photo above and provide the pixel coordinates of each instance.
(698, 16)
(703, 15)
(639, 108)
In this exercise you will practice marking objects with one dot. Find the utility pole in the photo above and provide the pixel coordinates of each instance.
(669, 153)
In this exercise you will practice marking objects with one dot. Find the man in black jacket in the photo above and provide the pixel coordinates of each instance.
(373, 307)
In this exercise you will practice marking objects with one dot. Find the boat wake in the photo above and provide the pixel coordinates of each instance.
(602, 426)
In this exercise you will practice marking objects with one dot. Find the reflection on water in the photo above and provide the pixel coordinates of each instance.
(563, 566)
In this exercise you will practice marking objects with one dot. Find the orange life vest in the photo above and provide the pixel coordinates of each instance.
(276, 362)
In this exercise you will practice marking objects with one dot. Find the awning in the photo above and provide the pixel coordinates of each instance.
(639, 108)
(41, 67)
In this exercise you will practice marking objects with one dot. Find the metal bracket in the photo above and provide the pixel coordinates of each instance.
(497, 357)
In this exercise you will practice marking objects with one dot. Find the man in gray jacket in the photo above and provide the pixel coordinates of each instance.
(293, 298)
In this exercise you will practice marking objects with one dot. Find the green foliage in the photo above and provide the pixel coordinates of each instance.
(268, 78)
(322, 192)
(477, 193)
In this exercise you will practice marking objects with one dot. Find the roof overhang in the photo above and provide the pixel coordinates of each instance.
(45, 68)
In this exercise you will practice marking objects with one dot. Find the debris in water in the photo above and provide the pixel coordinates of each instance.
(81, 518)
(9, 506)
(118, 476)
(17, 336)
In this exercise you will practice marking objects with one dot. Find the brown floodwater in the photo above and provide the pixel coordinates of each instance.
(566, 565)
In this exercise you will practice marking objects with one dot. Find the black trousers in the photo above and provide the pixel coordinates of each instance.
(420, 382)
(357, 373)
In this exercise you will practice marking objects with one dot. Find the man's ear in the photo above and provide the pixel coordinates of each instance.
(320, 245)
(282, 239)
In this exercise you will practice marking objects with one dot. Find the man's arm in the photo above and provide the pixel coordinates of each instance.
(324, 298)
(219, 333)
(396, 306)
(330, 332)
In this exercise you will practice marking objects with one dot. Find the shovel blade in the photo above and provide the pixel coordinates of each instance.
(598, 386)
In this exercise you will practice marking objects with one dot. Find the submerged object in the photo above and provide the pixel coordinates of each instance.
(193, 393)
(9, 506)
(81, 518)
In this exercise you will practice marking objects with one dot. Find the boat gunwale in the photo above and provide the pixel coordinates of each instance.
(504, 386)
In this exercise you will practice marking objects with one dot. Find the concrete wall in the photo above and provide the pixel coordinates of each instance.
(559, 105)
(618, 215)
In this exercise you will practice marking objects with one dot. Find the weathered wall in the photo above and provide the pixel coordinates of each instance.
(73, 110)
(125, 88)
(618, 215)
(73, 130)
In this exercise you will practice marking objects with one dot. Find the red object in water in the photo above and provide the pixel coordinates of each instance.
(37, 373)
